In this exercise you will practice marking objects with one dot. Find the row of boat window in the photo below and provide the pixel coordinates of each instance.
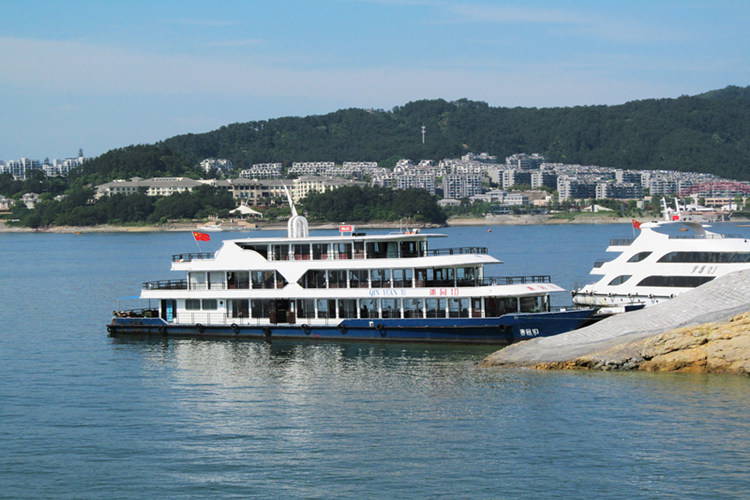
(665, 281)
(289, 311)
(697, 257)
(340, 278)
(339, 250)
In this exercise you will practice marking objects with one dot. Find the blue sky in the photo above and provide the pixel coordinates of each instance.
(105, 74)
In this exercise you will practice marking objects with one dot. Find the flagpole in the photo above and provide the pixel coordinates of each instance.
(200, 236)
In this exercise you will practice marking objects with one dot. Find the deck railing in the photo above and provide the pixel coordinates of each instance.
(621, 242)
(165, 285)
(187, 257)
(514, 280)
(457, 251)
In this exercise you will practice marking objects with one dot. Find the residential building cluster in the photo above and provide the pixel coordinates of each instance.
(476, 177)
(22, 169)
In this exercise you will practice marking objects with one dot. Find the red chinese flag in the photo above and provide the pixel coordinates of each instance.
(636, 224)
(201, 236)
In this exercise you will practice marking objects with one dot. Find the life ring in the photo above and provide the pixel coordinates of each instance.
(234, 327)
(380, 328)
(342, 329)
(266, 331)
(200, 327)
(305, 328)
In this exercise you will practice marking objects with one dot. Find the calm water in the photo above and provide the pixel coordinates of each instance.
(86, 416)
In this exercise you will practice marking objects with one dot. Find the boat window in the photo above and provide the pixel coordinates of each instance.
(440, 276)
(262, 279)
(216, 280)
(436, 308)
(466, 276)
(368, 308)
(260, 308)
(337, 278)
(409, 249)
(532, 304)
(476, 307)
(305, 308)
(413, 308)
(706, 257)
(620, 280)
(359, 249)
(326, 308)
(197, 280)
(238, 279)
(209, 304)
(358, 278)
(320, 251)
(390, 308)
(301, 251)
(377, 250)
(342, 250)
(238, 308)
(314, 278)
(347, 308)
(281, 281)
(280, 252)
(675, 281)
(402, 278)
(381, 278)
(497, 306)
(192, 304)
(458, 308)
(639, 256)
(261, 249)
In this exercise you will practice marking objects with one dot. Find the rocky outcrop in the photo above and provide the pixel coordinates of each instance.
(706, 329)
(722, 347)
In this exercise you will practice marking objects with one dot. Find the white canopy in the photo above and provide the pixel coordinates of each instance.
(245, 210)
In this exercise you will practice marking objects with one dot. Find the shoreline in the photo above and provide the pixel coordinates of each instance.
(497, 220)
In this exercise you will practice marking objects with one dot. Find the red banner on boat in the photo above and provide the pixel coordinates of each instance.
(636, 224)
(346, 229)
(201, 236)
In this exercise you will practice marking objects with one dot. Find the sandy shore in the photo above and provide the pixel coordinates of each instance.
(498, 220)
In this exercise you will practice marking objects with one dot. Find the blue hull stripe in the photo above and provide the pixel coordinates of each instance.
(502, 330)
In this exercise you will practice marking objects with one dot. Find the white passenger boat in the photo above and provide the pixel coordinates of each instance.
(667, 258)
(386, 287)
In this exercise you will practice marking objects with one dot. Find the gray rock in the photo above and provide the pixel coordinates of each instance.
(717, 300)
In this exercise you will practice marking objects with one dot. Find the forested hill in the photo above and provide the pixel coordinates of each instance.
(704, 133)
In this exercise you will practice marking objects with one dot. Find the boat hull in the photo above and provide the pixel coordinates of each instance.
(497, 331)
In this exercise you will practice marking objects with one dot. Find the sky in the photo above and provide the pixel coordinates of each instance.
(99, 75)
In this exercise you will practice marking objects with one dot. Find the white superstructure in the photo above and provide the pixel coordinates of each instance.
(667, 258)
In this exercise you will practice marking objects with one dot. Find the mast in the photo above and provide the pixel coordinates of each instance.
(296, 226)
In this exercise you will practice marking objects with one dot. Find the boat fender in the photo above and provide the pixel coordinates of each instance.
(305, 328)
(200, 327)
(266, 332)
(235, 327)
(162, 329)
(342, 329)
(109, 328)
(503, 328)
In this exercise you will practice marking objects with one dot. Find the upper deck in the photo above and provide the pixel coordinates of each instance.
(333, 248)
